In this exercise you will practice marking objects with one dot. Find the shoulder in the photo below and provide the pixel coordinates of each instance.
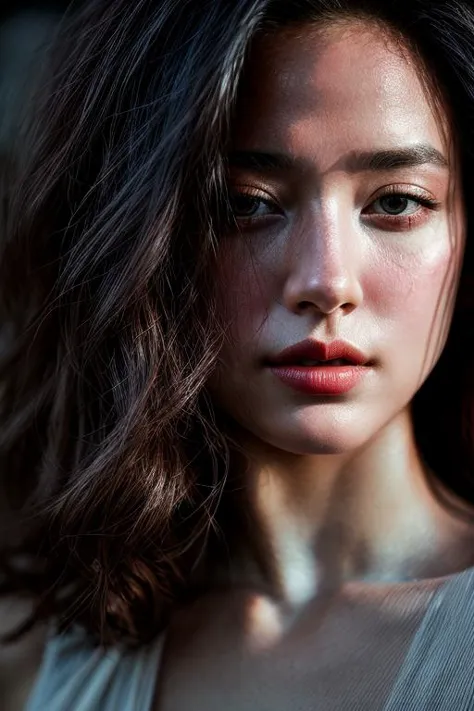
(78, 674)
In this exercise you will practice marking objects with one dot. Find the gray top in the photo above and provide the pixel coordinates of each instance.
(77, 676)
(436, 674)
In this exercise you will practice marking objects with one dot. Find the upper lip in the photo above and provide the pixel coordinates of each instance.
(318, 350)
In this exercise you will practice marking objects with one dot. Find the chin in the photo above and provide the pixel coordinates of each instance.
(310, 439)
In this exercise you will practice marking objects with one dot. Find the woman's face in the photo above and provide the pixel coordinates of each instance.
(351, 228)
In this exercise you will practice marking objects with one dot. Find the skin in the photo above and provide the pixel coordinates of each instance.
(337, 486)
(337, 482)
(358, 541)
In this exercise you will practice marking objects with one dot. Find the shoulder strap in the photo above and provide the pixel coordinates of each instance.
(438, 671)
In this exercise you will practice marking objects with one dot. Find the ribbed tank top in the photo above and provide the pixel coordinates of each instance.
(437, 673)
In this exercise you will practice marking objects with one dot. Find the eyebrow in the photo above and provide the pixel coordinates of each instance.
(354, 162)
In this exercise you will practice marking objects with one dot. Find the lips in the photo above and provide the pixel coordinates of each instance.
(322, 353)
(316, 368)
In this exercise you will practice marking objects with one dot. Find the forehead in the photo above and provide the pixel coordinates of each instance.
(311, 90)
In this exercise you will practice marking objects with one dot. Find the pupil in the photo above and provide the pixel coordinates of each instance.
(244, 205)
(395, 204)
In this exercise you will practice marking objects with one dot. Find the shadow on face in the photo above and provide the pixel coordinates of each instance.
(349, 225)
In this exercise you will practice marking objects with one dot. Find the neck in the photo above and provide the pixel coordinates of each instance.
(327, 520)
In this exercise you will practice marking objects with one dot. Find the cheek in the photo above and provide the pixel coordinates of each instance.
(413, 296)
(245, 292)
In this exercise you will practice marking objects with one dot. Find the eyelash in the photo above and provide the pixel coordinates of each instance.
(397, 221)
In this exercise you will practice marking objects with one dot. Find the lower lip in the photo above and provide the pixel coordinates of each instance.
(320, 379)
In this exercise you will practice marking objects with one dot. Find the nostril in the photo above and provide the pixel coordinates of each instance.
(325, 308)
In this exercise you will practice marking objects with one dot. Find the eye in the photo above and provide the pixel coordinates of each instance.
(246, 206)
(396, 204)
(401, 210)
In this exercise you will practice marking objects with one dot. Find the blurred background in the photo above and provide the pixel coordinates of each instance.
(25, 27)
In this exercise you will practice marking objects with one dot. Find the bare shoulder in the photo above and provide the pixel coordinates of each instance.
(19, 661)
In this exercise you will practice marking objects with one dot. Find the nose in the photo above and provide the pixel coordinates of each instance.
(323, 268)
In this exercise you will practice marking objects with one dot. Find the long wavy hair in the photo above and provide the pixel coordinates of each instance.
(117, 469)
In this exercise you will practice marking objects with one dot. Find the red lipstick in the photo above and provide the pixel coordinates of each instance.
(318, 368)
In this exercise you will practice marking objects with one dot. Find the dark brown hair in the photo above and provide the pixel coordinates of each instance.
(112, 458)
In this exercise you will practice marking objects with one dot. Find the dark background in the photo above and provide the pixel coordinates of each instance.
(25, 27)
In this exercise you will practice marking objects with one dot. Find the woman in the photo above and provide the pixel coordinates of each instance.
(237, 376)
